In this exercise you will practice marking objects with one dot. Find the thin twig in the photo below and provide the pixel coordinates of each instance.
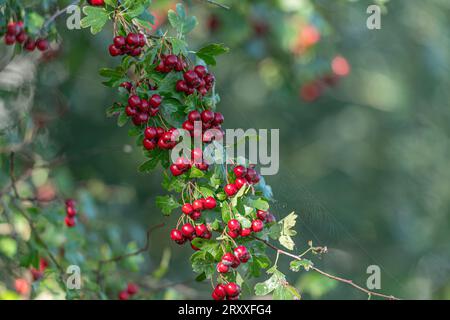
(346, 281)
(217, 4)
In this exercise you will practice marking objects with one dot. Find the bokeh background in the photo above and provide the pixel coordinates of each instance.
(365, 164)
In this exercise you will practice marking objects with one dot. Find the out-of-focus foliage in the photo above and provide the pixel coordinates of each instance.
(365, 163)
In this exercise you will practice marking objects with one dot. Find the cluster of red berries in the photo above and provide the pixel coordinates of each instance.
(243, 176)
(70, 213)
(197, 79)
(130, 290)
(233, 260)
(230, 291)
(132, 45)
(170, 63)
(158, 137)
(15, 33)
(195, 209)
(209, 120)
(39, 273)
(182, 164)
(235, 229)
(189, 232)
(141, 109)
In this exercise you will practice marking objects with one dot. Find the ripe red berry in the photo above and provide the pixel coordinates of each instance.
(21, 37)
(234, 225)
(119, 41)
(233, 234)
(240, 171)
(10, 39)
(177, 236)
(134, 101)
(29, 45)
(70, 203)
(245, 232)
(187, 209)
(197, 155)
(155, 100)
(191, 77)
(132, 39)
(132, 289)
(207, 116)
(262, 215)
(270, 218)
(150, 133)
(96, 2)
(142, 39)
(173, 168)
(183, 163)
(71, 211)
(123, 295)
(181, 86)
(201, 230)
(188, 231)
(160, 131)
(194, 116)
(197, 205)
(171, 60)
(230, 190)
(200, 71)
(114, 51)
(127, 85)
(12, 28)
(210, 203)
(242, 254)
(257, 225)
(196, 215)
(232, 289)
(219, 292)
(218, 118)
(70, 221)
(42, 44)
(187, 125)
(230, 260)
(222, 268)
(252, 176)
(240, 182)
(131, 112)
(149, 144)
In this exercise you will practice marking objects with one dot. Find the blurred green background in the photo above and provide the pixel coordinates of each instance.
(366, 165)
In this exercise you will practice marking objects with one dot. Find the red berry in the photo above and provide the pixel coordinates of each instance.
(270, 218)
(240, 171)
(188, 231)
(191, 78)
(242, 254)
(197, 205)
(149, 144)
(196, 215)
(127, 85)
(70, 203)
(234, 225)
(218, 118)
(257, 225)
(233, 234)
(173, 168)
(187, 125)
(219, 292)
(232, 289)
(252, 175)
(10, 39)
(134, 101)
(132, 39)
(70, 221)
(183, 163)
(181, 86)
(230, 260)
(29, 45)
(42, 44)
(119, 41)
(135, 52)
(12, 28)
(177, 236)
(194, 116)
(222, 268)
(96, 2)
(197, 155)
(132, 289)
(245, 232)
(123, 295)
(262, 215)
(171, 60)
(210, 203)
(160, 131)
(155, 100)
(230, 190)
(187, 208)
(71, 211)
(131, 112)
(207, 116)
(150, 133)
(21, 37)
(201, 230)
(200, 71)
(114, 51)
(240, 182)
(142, 39)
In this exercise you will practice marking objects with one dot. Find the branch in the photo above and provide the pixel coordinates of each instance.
(346, 281)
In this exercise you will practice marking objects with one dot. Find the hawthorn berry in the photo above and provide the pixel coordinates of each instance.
(218, 118)
(245, 232)
(155, 100)
(194, 116)
(71, 211)
(222, 268)
(123, 295)
(10, 39)
(242, 254)
(187, 125)
(230, 190)
(262, 215)
(177, 236)
(29, 45)
(207, 116)
(257, 225)
(149, 144)
(188, 231)
(196, 215)
(233, 234)
(240, 182)
(191, 78)
(197, 205)
(134, 101)
(150, 133)
(232, 289)
(171, 60)
(240, 171)
(173, 168)
(132, 289)
(187, 209)
(230, 260)
(21, 37)
(200, 71)
(42, 44)
(201, 230)
(210, 203)
(219, 292)
(181, 86)
(96, 2)
(70, 221)
(234, 225)
(114, 51)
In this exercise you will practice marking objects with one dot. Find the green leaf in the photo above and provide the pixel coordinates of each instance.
(209, 53)
(286, 292)
(180, 22)
(96, 18)
(149, 165)
(258, 203)
(226, 215)
(167, 204)
(264, 288)
(296, 265)
(196, 173)
(178, 46)
(122, 119)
